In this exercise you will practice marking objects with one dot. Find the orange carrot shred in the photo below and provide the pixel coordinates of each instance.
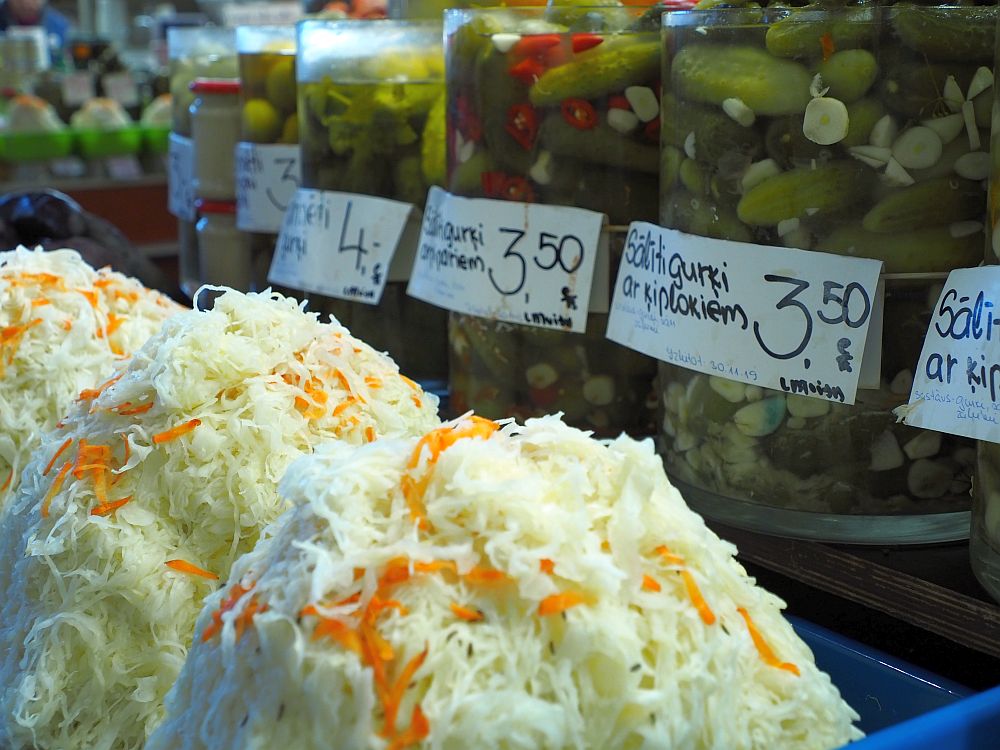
(62, 448)
(466, 613)
(547, 566)
(89, 394)
(91, 296)
(766, 654)
(184, 566)
(105, 509)
(370, 434)
(416, 401)
(372, 382)
(399, 688)
(664, 552)
(54, 488)
(486, 575)
(434, 566)
(409, 382)
(343, 406)
(40, 302)
(128, 448)
(338, 632)
(8, 480)
(557, 603)
(418, 730)
(67, 325)
(343, 380)
(694, 593)
(651, 584)
(175, 432)
(134, 410)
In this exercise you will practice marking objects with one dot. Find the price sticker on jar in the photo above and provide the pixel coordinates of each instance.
(180, 177)
(267, 177)
(791, 320)
(956, 384)
(517, 262)
(339, 245)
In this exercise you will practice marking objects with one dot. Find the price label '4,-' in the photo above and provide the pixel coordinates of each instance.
(786, 319)
(338, 244)
(267, 177)
(517, 262)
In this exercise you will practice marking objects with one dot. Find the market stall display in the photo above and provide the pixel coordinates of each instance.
(150, 488)
(156, 121)
(371, 109)
(857, 131)
(64, 327)
(587, 608)
(555, 106)
(33, 131)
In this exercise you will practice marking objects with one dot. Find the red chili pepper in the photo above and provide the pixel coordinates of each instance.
(579, 113)
(527, 71)
(583, 42)
(518, 189)
(651, 131)
(535, 44)
(493, 183)
(522, 125)
(469, 124)
(618, 102)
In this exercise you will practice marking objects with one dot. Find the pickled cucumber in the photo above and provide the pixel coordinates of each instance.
(862, 114)
(922, 251)
(805, 191)
(600, 145)
(715, 134)
(915, 89)
(700, 216)
(801, 34)
(943, 34)
(611, 66)
(497, 92)
(943, 200)
(712, 73)
(849, 74)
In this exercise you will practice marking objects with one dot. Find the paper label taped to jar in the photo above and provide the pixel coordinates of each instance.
(180, 177)
(517, 262)
(956, 386)
(339, 245)
(267, 176)
(791, 320)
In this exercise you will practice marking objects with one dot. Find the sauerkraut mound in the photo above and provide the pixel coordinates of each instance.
(516, 588)
(159, 479)
(64, 327)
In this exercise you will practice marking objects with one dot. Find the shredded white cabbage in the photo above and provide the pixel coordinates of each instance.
(55, 316)
(518, 524)
(196, 433)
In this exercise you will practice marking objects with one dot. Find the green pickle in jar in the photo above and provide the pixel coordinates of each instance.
(268, 112)
(859, 131)
(371, 108)
(558, 106)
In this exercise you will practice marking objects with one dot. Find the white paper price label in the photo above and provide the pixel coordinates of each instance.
(956, 386)
(261, 14)
(338, 244)
(123, 167)
(518, 262)
(791, 320)
(180, 177)
(122, 88)
(267, 177)
(78, 88)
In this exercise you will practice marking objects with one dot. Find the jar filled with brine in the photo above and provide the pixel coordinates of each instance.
(215, 131)
(984, 541)
(371, 122)
(859, 131)
(555, 106)
(193, 53)
(267, 158)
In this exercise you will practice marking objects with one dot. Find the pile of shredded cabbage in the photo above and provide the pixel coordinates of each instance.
(64, 327)
(129, 515)
(524, 588)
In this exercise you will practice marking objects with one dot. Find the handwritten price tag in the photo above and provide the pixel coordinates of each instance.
(786, 319)
(338, 244)
(180, 177)
(518, 262)
(267, 177)
(956, 386)
(122, 88)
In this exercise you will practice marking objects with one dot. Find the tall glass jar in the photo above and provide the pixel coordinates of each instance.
(192, 53)
(215, 131)
(269, 121)
(855, 131)
(559, 106)
(984, 542)
(223, 250)
(371, 109)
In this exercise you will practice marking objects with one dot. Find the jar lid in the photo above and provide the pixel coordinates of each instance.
(215, 85)
(215, 207)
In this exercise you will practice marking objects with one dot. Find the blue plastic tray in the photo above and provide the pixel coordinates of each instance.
(903, 707)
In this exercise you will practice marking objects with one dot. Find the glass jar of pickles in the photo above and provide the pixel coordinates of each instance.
(559, 106)
(223, 250)
(371, 122)
(192, 53)
(984, 540)
(857, 131)
(267, 161)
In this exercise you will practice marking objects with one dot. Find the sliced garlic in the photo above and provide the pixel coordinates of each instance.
(974, 165)
(759, 171)
(541, 170)
(883, 132)
(952, 94)
(917, 148)
(959, 229)
(739, 111)
(644, 102)
(969, 114)
(873, 156)
(902, 384)
(689, 145)
(816, 87)
(895, 174)
(982, 80)
(504, 42)
(886, 453)
(947, 127)
(465, 151)
(825, 121)
(622, 120)
(787, 225)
